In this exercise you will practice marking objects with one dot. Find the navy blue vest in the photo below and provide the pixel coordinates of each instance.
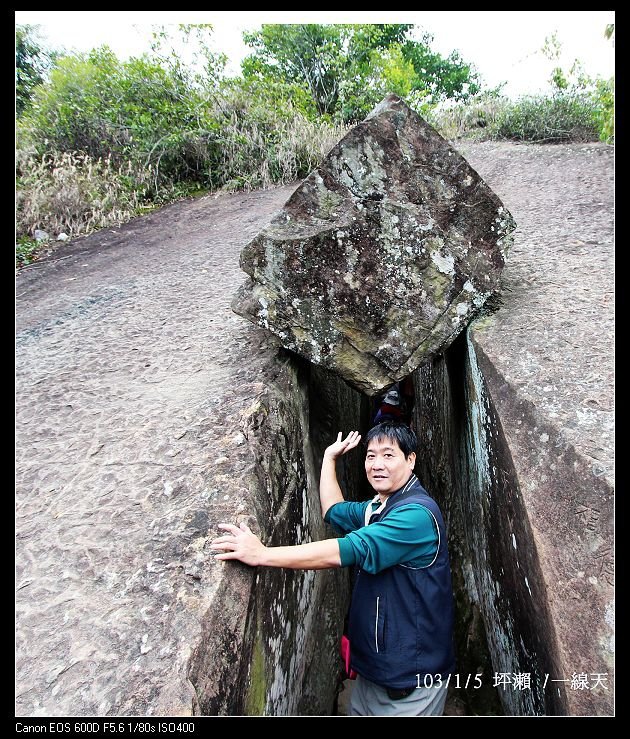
(401, 619)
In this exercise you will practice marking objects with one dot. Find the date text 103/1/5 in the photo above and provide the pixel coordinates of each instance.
(459, 681)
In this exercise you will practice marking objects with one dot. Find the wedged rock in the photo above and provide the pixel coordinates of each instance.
(382, 255)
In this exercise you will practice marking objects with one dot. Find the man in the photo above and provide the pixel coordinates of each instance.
(401, 616)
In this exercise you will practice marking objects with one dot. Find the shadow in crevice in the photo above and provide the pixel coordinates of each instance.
(440, 414)
(334, 406)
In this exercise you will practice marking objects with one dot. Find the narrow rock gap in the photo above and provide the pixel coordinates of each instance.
(492, 588)
(440, 414)
(334, 406)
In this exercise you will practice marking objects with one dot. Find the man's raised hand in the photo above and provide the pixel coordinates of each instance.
(340, 447)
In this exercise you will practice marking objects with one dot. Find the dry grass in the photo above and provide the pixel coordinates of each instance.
(262, 153)
(73, 193)
(473, 119)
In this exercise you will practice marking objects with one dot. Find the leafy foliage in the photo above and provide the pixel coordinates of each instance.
(445, 79)
(32, 61)
(475, 118)
(106, 138)
(575, 84)
(100, 106)
(346, 68)
(579, 108)
(26, 251)
(306, 55)
(565, 116)
(604, 97)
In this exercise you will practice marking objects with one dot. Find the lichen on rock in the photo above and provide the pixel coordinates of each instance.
(382, 256)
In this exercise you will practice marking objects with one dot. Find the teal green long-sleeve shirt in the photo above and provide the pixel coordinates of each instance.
(408, 535)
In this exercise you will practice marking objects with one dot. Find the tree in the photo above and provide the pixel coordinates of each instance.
(347, 68)
(444, 78)
(32, 61)
(306, 54)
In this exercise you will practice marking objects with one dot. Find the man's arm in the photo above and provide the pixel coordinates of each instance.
(329, 490)
(242, 544)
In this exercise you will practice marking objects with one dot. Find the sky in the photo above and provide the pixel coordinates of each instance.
(504, 46)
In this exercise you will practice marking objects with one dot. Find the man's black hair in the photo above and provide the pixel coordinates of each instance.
(395, 431)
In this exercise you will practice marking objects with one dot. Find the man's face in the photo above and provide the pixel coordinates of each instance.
(386, 467)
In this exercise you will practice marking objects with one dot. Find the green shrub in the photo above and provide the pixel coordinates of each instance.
(572, 113)
(26, 251)
(188, 129)
(264, 139)
(565, 116)
(129, 154)
(134, 110)
(604, 98)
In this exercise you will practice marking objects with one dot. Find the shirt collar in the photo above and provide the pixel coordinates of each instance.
(376, 506)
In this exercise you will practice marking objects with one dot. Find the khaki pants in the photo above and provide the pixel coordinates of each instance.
(369, 699)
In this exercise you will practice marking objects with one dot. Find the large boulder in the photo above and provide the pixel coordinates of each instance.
(382, 255)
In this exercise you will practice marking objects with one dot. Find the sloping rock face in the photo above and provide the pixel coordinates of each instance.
(382, 255)
(269, 638)
(137, 434)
